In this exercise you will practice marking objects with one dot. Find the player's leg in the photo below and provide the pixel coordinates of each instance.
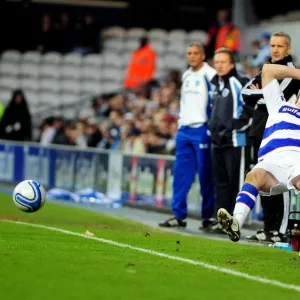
(202, 149)
(184, 175)
(256, 180)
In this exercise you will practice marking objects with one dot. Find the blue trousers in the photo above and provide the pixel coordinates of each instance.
(193, 154)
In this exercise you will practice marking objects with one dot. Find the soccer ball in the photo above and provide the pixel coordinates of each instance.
(29, 196)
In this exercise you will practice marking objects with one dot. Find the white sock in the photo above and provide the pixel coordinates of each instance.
(241, 212)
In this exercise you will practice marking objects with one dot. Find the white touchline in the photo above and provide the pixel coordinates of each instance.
(160, 254)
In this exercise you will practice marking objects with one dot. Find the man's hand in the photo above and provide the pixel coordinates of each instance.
(254, 86)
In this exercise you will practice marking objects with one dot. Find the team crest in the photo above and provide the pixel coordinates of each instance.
(225, 92)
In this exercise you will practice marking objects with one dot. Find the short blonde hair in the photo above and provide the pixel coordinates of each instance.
(284, 34)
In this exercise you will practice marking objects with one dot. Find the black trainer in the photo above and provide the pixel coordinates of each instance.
(172, 222)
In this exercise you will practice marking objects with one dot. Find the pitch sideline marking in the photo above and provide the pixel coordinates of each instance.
(172, 257)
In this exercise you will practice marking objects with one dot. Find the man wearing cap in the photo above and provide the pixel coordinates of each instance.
(263, 54)
(276, 209)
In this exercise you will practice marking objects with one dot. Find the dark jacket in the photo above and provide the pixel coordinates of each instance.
(229, 118)
(15, 124)
(254, 98)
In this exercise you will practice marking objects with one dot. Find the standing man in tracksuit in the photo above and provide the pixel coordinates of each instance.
(228, 126)
(275, 210)
(193, 146)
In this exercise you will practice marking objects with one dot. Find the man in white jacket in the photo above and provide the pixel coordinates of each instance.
(193, 153)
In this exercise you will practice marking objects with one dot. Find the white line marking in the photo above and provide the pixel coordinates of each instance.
(172, 257)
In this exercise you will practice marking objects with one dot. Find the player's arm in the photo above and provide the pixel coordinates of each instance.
(271, 89)
(252, 96)
(273, 71)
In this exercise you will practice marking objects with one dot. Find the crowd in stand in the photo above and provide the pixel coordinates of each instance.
(142, 119)
(42, 31)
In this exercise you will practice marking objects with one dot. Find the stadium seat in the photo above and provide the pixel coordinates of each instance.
(177, 35)
(66, 98)
(126, 56)
(92, 73)
(114, 44)
(72, 59)
(70, 71)
(112, 74)
(157, 34)
(131, 45)
(30, 84)
(70, 114)
(112, 87)
(9, 69)
(160, 63)
(5, 96)
(50, 85)
(159, 47)
(29, 70)
(50, 71)
(11, 56)
(49, 99)
(136, 33)
(112, 59)
(176, 47)
(31, 57)
(53, 58)
(9, 83)
(94, 60)
(86, 112)
(32, 98)
(197, 36)
(175, 62)
(91, 87)
(114, 31)
(70, 86)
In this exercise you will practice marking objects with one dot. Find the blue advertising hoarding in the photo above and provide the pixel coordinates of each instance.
(137, 179)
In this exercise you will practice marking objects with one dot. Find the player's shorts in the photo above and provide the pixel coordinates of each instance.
(284, 166)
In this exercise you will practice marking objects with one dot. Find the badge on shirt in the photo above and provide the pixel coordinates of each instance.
(225, 92)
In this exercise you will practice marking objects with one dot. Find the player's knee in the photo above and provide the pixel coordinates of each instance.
(256, 176)
(296, 183)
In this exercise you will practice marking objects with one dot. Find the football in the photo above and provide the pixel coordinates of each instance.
(29, 196)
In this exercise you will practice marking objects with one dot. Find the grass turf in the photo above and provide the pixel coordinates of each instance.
(37, 263)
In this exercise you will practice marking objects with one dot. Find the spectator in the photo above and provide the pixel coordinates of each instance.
(250, 68)
(228, 126)
(15, 123)
(48, 132)
(67, 135)
(24, 27)
(65, 34)
(93, 134)
(141, 68)
(263, 53)
(222, 34)
(88, 36)
(47, 37)
(81, 140)
(193, 152)
(133, 143)
(59, 125)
